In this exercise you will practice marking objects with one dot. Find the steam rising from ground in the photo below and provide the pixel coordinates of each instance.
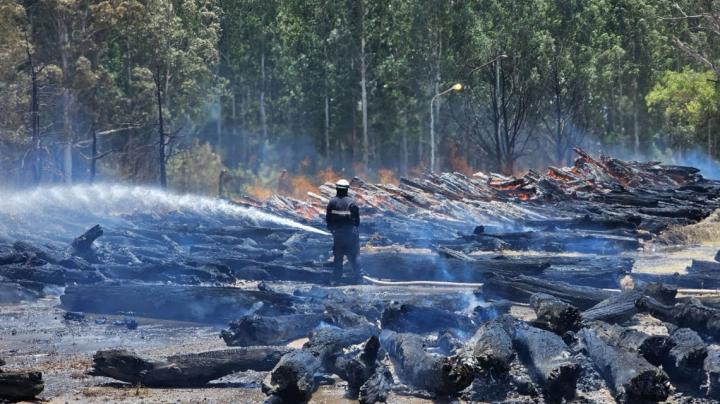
(54, 209)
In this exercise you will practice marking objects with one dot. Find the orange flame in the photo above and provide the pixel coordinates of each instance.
(258, 191)
(458, 162)
(386, 176)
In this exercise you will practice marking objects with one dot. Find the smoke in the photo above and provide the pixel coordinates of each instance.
(63, 211)
(709, 167)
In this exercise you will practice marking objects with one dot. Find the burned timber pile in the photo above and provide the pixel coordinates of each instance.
(556, 242)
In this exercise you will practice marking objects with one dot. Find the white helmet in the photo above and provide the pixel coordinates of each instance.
(342, 184)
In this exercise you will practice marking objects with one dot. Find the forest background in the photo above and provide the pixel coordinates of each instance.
(176, 92)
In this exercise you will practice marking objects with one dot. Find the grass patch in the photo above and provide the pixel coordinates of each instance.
(706, 231)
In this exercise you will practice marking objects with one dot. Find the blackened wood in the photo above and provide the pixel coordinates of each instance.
(615, 309)
(20, 386)
(521, 287)
(686, 357)
(492, 348)
(691, 313)
(357, 367)
(214, 305)
(403, 317)
(711, 367)
(587, 222)
(12, 292)
(269, 330)
(377, 388)
(548, 358)
(83, 245)
(630, 377)
(437, 374)
(654, 348)
(294, 378)
(554, 314)
(187, 370)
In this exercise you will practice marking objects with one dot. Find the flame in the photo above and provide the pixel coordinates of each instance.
(301, 185)
(327, 175)
(259, 192)
(386, 176)
(458, 162)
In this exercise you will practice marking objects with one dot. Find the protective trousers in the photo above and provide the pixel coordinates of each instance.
(346, 244)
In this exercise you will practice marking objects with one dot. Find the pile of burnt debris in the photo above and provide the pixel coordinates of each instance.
(19, 386)
(641, 341)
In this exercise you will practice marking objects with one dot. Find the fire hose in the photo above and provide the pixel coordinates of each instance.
(379, 282)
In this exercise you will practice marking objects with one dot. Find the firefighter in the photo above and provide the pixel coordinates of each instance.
(343, 219)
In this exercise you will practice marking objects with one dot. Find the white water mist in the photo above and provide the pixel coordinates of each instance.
(85, 205)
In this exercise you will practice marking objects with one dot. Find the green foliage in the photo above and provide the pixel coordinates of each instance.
(265, 83)
(687, 99)
(195, 170)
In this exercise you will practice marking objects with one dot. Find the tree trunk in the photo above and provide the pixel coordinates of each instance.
(326, 123)
(710, 138)
(94, 158)
(326, 126)
(363, 94)
(263, 115)
(497, 118)
(63, 37)
(219, 122)
(161, 132)
(34, 117)
(636, 120)
(404, 152)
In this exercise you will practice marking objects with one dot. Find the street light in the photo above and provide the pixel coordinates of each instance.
(495, 59)
(456, 87)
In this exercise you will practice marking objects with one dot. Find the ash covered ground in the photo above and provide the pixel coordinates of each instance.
(583, 271)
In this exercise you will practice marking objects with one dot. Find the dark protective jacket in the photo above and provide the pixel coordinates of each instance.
(342, 214)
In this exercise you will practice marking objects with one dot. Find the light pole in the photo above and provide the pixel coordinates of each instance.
(455, 87)
(495, 59)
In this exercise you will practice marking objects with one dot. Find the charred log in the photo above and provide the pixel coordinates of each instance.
(691, 313)
(294, 379)
(654, 348)
(492, 348)
(437, 374)
(548, 358)
(377, 387)
(554, 314)
(82, 246)
(265, 330)
(419, 319)
(186, 370)
(621, 307)
(219, 305)
(615, 309)
(20, 386)
(711, 367)
(685, 359)
(630, 377)
(358, 368)
(50, 274)
(520, 289)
